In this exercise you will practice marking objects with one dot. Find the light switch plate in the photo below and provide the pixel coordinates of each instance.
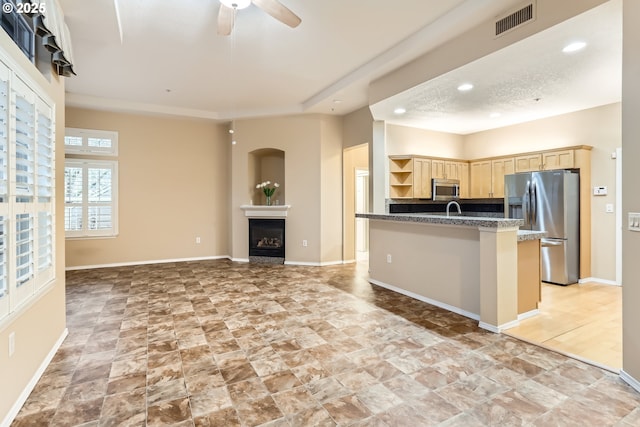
(634, 221)
(609, 207)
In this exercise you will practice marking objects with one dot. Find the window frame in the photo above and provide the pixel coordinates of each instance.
(85, 148)
(85, 232)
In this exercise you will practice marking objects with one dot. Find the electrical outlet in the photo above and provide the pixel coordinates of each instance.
(609, 208)
(389, 258)
(12, 343)
(198, 240)
(634, 221)
(304, 243)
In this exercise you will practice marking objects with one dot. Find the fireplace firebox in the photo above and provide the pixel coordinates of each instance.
(266, 240)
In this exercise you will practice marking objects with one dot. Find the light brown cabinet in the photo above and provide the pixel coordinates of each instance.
(401, 177)
(500, 168)
(480, 176)
(529, 286)
(422, 178)
(558, 160)
(528, 163)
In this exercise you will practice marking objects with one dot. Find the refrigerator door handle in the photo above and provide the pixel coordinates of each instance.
(525, 204)
(548, 243)
(534, 203)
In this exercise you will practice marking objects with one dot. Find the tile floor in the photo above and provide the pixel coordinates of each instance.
(216, 343)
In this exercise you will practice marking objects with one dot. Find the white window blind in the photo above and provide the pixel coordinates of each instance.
(90, 198)
(27, 189)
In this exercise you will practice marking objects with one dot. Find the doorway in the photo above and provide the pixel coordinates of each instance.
(362, 206)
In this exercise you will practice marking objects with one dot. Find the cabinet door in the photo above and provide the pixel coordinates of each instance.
(451, 170)
(438, 169)
(500, 168)
(463, 176)
(532, 162)
(422, 179)
(558, 160)
(480, 174)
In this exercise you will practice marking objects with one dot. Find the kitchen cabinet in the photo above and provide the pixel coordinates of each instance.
(528, 163)
(487, 177)
(558, 160)
(422, 178)
(500, 168)
(400, 177)
(529, 285)
(480, 179)
(463, 176)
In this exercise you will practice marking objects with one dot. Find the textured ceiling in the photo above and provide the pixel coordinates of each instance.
(528, 80)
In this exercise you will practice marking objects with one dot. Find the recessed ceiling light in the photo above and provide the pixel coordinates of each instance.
(399, 111)
(465, 87)
(494, 115)
(574, 47)
(337, 101)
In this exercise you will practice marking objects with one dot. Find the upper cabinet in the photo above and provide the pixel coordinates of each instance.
(410, 176)
(548, 160)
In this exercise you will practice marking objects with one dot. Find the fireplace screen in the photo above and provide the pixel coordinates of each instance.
(266, 237)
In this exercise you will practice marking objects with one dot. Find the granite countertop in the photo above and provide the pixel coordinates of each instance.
(465, 221)
(524, 235)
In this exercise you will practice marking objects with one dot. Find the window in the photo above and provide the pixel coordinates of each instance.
(89, 141)
(27, 183)
(90, 185)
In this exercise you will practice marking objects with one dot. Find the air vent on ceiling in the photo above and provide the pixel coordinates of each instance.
(515, 19)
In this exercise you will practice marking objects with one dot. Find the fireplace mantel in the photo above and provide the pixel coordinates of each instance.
(264, 211)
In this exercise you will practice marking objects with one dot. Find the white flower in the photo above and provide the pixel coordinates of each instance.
(275, 184)
(258, 186)
(267, 183)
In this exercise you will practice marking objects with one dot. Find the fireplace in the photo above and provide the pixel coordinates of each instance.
(266, 240)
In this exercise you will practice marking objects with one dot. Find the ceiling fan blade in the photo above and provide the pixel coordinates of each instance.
(279, 11)
(226, 16)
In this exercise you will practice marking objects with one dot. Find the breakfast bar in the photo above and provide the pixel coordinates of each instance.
(465, 264)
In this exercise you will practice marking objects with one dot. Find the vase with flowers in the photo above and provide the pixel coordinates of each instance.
(268, 189)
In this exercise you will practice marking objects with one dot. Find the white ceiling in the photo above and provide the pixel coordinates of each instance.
(169, 59)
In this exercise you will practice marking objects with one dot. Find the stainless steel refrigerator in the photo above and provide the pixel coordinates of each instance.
(549, 201)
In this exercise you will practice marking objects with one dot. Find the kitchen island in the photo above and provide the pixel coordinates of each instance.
(465, 264)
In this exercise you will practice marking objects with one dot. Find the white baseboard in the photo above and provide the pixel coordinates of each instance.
(157, 261)
(500, 328)
(601, 281)
(313, 264)
(446, 306)
(15, 409)
(529, 314)
(630, 380)
(239, 259)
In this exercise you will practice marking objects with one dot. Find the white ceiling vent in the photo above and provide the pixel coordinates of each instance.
(515, 19)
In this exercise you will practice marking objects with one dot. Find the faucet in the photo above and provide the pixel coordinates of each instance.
(456, 204)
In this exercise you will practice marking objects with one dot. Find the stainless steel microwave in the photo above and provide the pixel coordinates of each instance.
(445, 189)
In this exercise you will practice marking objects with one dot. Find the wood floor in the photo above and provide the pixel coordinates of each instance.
(583, 320)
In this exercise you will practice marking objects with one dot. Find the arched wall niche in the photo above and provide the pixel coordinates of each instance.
(266, 164)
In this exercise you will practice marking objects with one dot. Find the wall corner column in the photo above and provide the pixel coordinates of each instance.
(498, 278)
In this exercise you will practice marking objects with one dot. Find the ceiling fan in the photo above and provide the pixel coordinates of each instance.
(228, 8)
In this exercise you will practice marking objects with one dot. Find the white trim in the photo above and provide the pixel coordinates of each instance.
(600, 281)
(630, 380)
(314, 264)
(448, 307)
(15, 409)
(157, 261)
(500, 328)
(349, 261)
(239, 259)
(528, 314)
(261, 211)
(619, 185)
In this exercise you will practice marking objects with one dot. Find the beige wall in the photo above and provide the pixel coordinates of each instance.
(598, 127)
(309, 187)
(357, 128)
(38, 325)
(630, 193)
(406, 140)
(173, 184)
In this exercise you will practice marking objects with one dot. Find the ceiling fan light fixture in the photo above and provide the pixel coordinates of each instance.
(236, 4)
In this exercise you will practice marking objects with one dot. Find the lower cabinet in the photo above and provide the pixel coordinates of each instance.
(529, 285)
